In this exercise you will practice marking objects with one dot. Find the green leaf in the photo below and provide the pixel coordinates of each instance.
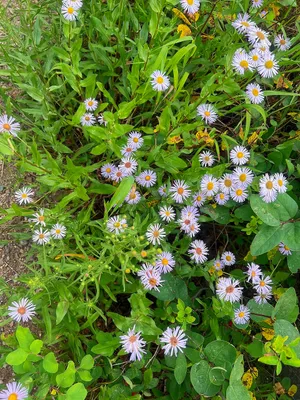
(121, 192)
(264, 309)
(283, 209)
(267, 238)
(76, 392)
(107, 344)
(4, 147)
(286, 307)
(221, 354)
(269, 360)
(200, 379)
(218, 214)
(87, 362)
(236, 390)
(17, 357)
(180, 368)
(61, 310)
(126, 108)
(285, 328)
(217, 375)
(36, 346)
(173, 288)
(50, 364)
(101, 188)
(24, 337)
(85, 375)
(293, 261)
(67, 378)
(97, 150)
(291, 235)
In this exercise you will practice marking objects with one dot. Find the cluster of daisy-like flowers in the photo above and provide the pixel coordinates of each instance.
(229, 289)
(70, 9)
(260, 57)
(40, 236)
(174, 340)
(9, 125)
(89, 119)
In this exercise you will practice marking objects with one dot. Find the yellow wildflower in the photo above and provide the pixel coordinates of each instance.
(127, 270)
(179, 14)
(253, 138)
(184, 30)
(144, 253)
(247, 379)
(174, 140)
(268, 333)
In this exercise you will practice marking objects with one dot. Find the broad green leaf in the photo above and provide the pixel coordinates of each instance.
(286, 307)
(24, 337)
(61, 310)
(267, 238)
(67, 378)
(5, 148)
(217, 375)
(294, 261)
(221, 354)
(262, 310)
(36, 346)
(17, 357)
(283, 209)
(180, 368)
(236, 390)
(50, 364)
(97, 150)
(85, 375)
(269, 360)
(285, 328)
(76, 392)
(291, 235)
(121, 192)
(172, 288)
(87, 362)
(200, 379)
(107, 344)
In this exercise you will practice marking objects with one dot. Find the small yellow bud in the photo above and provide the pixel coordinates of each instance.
(127, 270)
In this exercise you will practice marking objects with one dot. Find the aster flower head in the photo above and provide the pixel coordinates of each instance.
(14, 391)
(69, 12)
(262, 298)
(263, 284)
(116, 224)
(189, 225)
(190, 6)
(163, 191)
(268, 66)
(58, 231)
(133, 196)
(226, 183)
(228, 289)
(150, 277)
(22, 311)
(190, 212)
(239, 155)
(209, 185)
(257, 3)
(117, 175)
(243, 23)
(155, 234)
(255, 93)
(133, 344)
(208, 113)
(107, 170)
(242, 176)
(128, 150)
(101, 120)
(147, 178)
(241, 315)
(192, 229)
(255, 56)
(257, 35)
(159, 81)
(180, 191)
(280, 182)
(218, 265)
(253, 272)
(284, 249)
(167, 213)
(24, 195)
(175, 340)
(282, 43)
(76, 3)
(267, 187)
(135, 139)
(40, 236)
(228, 258)
(39, 218)
(90, 104)
(128, 165)
(242, 62)
(199, 199)
(239, 193)
(198, 251)
(88, 119)
(165, 262)
(221, 198)
(206, 159)
(9, 125)
(262, 49)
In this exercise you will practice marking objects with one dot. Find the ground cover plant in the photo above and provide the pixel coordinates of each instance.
(163, 138)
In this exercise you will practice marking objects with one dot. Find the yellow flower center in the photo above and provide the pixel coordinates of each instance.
(240, 154)
(41, 218)
(6, 126)
(132, 339)
(239, 192)
(156, 234)
(243, 177)
(143, 253)
(228, 258)
(90, 103)
(262, 283)
(227, 183)
(57, 231)
(165, 261)
(160, 79)
(255, 57)
(199, 198)
(173, 339)
(245, 23)
(24, 196)
(222, 196)
(135, 140)
(108, 170)
(117, 224)
(282, 41)
(244, 64)
(269, 185)
(87, 118)
(210, 186)
(41, 236)
(180, 190)
(260, 35)
(241, 314)
(206, 158)
(286, 248)
(21, 310)
(152, 281)
(253, 274)
(167, 213)
(280, 182)
(269, 64)
(147, 178)
(70, 10)
(199, 251)
(207, 113)
(255, 92)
